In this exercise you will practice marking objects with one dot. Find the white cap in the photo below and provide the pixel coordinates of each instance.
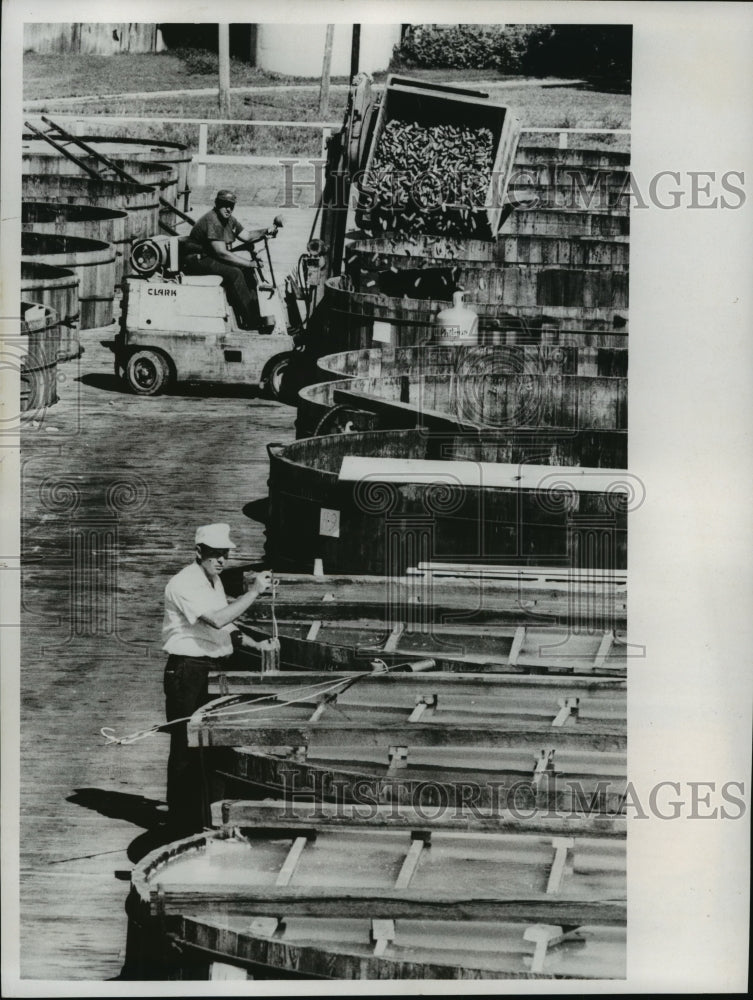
(214, 536)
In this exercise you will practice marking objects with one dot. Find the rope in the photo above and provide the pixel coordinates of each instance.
(303, 694)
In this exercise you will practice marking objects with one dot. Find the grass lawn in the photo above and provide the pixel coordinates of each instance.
(74, 76)
(539, 104)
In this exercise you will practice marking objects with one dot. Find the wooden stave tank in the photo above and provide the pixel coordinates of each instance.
(475, 266)
(435, 359)
(303, 482)
(161, 176)
(559, 221)
(199, 943)
(577, 156)
(348, 318)
(39, 365)
(90, 221)
(494, 400)
(139, 201)
(93, 260)
(58, 288)
(137, 148)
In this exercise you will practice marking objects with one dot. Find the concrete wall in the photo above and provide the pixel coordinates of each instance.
(298, 49)
(92, 39)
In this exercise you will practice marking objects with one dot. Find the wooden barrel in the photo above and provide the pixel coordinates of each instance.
(545, 173)
(139, 201)
(41, 326)
(90, 221)
(603, 159)
(528, 189)
(353, 320)
(441, 359)
(162, 176)
(56, 287)
(378, 502)
(175, 153)
(491, 399)
(92, 260)
(435, 268)
(561, 222)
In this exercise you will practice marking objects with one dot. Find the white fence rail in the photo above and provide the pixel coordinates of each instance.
(78, 123)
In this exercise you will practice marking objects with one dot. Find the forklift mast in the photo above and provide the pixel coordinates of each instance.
(346, 156)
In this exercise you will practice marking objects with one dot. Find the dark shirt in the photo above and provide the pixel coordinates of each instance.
(211, 227)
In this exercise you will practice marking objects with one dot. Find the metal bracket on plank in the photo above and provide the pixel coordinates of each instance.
(568, 709)
(546, 936)
(381, 934)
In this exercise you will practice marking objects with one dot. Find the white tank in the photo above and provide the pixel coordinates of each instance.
(298, 49)
(458, 324)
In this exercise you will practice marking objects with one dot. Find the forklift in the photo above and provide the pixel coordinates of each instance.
(176, 327)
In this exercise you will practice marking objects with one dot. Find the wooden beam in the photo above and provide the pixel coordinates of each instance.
(289, 816)
(410, 864)
(382, 933)
(291, 861)
(604, 648)
(264, 732)
(394, 638)
(313, 632)
(380, 903)
(517, 645)
(568, 708)
(561, 846)
(223, 47)
(320, 709)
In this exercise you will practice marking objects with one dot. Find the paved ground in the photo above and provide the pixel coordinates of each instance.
(112, 488)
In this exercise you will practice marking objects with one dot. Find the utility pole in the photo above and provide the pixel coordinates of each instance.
(355, 51)
(223, 38)
(326, 67)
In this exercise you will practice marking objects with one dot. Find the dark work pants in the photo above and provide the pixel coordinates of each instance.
(239, 284)
(186, 690)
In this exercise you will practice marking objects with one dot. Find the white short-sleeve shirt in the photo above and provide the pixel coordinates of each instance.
(188, 595)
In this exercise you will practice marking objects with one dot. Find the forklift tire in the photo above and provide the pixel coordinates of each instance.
(147, 372)
(276, 379)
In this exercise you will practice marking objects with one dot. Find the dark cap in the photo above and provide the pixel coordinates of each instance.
(227, 196)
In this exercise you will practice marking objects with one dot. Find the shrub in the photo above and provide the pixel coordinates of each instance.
(539, 50)
(462, 46)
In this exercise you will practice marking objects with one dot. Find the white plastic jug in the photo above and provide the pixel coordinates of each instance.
(458, 324)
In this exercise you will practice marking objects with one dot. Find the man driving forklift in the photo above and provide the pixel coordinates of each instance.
(207, 250)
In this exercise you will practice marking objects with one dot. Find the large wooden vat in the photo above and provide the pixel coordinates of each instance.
(435, 593)
(492, 400)
(162, 176)
(40, 325)
(561, 222)
(378, 502)
(381, 893)
(604, 159)
(461, 360)
(351, 320)
(133, 149)
(90, 221)
(92, 260)
(139, 201)
(56, 287)
(435, 268)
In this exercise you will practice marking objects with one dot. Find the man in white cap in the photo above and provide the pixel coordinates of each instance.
(199, 636)
(207, 251)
